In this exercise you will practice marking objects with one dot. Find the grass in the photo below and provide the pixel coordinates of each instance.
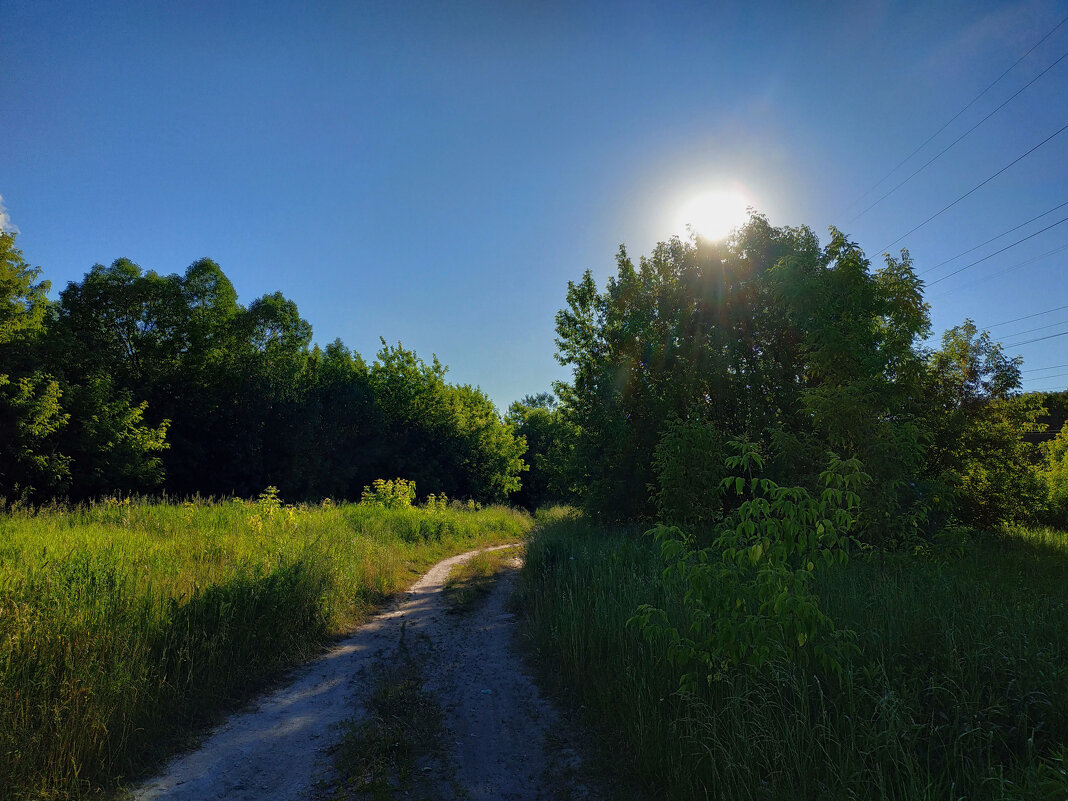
(960, 688)
(126, 626)
(468, 583)
(401, 726)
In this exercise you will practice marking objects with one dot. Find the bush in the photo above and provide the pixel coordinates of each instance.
(394, 494)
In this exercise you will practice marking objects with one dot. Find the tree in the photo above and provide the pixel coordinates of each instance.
(862, 376)
(30, 411)
(1056, 477)
(23, 299)
(446, 438)
(979, 422)
(766, 337)
(538, 419)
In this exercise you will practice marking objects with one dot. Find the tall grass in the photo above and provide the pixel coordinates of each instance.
(960, 688)
(124, 626)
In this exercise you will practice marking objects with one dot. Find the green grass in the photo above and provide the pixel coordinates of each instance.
(468, 583)
(126, 626)
(960, 688)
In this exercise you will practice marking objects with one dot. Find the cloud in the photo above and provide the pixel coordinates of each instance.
(6, 225)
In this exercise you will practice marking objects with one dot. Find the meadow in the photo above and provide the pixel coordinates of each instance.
(958, 690)
(127, 626)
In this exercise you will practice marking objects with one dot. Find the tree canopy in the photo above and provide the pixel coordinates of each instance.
(166, 382)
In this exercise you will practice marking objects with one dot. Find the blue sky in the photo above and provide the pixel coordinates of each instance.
(435, 173)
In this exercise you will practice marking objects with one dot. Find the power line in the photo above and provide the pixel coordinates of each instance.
(953, 144)
(993, 238)
(1051, 367)
(977, 186)
(1008, 269)
(1036, 339)
(953, 119)
(1039, 328)
(997, 252)
(1027, 317)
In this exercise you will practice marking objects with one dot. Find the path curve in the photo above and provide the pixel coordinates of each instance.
(498, 723)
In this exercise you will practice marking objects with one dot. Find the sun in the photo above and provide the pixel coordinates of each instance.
(712, 214)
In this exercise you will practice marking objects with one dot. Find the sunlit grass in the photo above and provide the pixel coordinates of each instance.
(125, 625)
(960, 689)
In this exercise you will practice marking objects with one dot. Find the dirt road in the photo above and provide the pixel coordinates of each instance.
(502, 739)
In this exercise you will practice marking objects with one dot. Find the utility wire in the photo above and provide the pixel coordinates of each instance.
(1036, 339)
(1044, 377)
(953, 119)
(1000, 273)
(953, 144)
(1051, 367)
(996, 252)
(1027, 317)
(977, 186)
(1032, 330)
(993, 238)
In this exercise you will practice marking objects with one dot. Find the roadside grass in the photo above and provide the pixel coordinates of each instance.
(401, 725)
(127, 626)
(960, 689)
(468, 584)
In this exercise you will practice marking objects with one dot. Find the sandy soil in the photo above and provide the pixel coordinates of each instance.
(504, 741)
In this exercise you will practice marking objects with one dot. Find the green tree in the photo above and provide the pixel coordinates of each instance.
(979, 423)
(767, 337)
(30, 411)
(862, 372)
(539, 421)
(446, 438)
(23, 299)
(1056, 477)
(111, 449)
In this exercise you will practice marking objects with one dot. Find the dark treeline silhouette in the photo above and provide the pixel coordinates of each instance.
(138, 382)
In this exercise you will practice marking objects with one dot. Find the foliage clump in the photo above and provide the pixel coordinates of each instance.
(394, 493)
(748, 595)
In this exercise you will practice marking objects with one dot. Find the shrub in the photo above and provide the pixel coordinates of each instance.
(394, 494)
(748, 595)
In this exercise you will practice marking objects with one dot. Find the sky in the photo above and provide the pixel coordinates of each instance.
(435, 173)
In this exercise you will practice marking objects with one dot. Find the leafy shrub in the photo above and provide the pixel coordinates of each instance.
(394, 494)
(436, 503)
(748, 595)
(1056, 475)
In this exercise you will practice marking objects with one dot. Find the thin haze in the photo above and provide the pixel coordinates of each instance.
(435, 173)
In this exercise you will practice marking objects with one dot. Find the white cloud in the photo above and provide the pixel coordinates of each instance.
(5, 220)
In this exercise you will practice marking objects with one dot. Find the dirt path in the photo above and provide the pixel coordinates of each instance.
(503, 741)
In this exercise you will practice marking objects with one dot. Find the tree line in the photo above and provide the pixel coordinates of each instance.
(136, 382)
(131, 381)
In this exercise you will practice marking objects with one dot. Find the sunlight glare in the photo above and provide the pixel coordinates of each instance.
(713, 214)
